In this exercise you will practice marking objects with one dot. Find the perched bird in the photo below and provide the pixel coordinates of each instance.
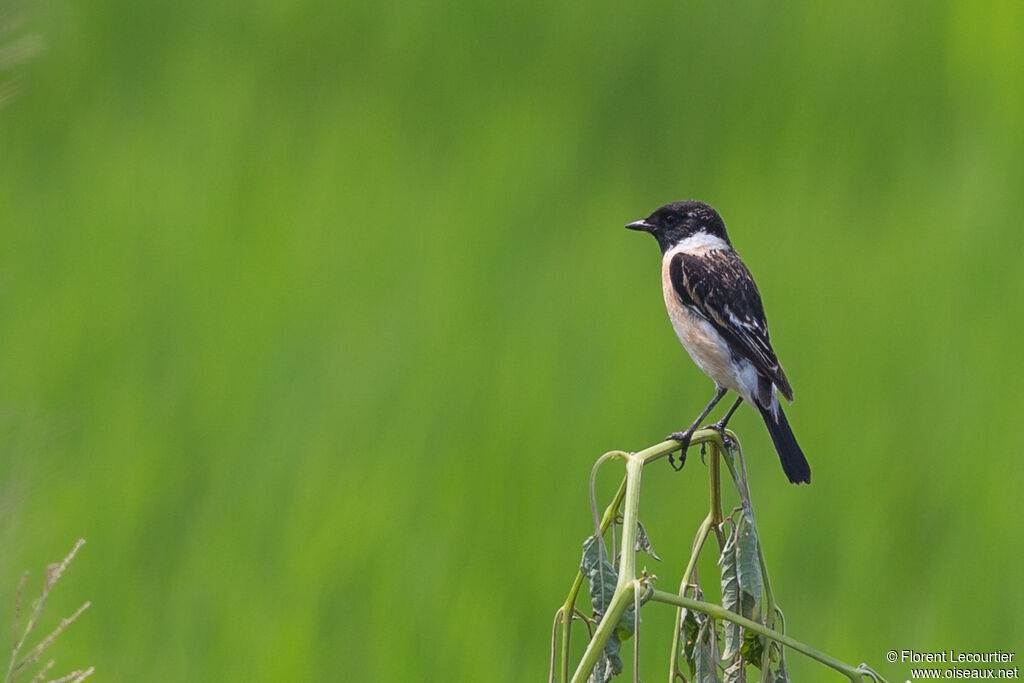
(716, 311)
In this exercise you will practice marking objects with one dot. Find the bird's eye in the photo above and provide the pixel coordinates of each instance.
(672, 219)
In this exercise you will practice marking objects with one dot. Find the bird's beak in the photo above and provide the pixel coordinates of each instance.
(640, 225)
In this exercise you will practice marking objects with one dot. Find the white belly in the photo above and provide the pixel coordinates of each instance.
(708, 349)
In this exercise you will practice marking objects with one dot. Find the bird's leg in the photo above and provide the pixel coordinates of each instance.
(684, 437)
(720, 425)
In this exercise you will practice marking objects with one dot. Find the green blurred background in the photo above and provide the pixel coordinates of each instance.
(315, 316)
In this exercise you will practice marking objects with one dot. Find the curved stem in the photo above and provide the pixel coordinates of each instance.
(717, 612)
(619, 602)
(637, 590)
(661, 450)
(627, 571)
(738, 470)
(630, 512)
(715, 482)
(739, 477)
(570, 601)
(698, 543)
(713, 521)
(627, 586)
(559, 616)
(593, 482)
(648, 455)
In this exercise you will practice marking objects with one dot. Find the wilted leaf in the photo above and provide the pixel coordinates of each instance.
(689, 627)
(748, 566)
(610, 664)
(753, 648)
(601, 575)
(688, 634)
(602, 672)
(778, 674)
(730, 595)
(627, 624)
(705, 655)
(736, 672)
(643, 542)
(602, 579)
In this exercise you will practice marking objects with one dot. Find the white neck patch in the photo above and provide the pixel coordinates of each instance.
(698, 243)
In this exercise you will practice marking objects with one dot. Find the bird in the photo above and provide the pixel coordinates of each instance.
(716, 311)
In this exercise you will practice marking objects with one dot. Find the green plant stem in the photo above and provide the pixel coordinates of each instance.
(648, 455)
(598, 529)
(712, 521)
(715, 483)
(559, 617)
(698, 543)
(630, 514)
(738, 470)
(624, 590)
(661, 450)
(855, 674)
(739, 477)
(610, 513)
(627, 585)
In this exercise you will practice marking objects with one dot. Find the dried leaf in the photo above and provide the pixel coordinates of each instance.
(779, 674)
(688, 634)
(705, 655)
(602, 579)
(689, 628)
(730, 595)
(748, 566)
(753, 648)
(643, 542)
(736, 672)
(610, 664)
(601, 575)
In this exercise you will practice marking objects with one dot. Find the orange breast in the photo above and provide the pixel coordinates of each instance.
(706, 346)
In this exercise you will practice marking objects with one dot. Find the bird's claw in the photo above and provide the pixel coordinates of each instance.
(672, 461)
(680, 436)
(720, 428)
(684, 438)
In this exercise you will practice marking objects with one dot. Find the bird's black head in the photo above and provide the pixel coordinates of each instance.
(679, 220)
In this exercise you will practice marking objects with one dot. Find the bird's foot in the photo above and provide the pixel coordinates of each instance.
(720, 428)
(683, 437)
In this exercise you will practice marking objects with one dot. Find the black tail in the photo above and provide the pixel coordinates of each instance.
(794, 464)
